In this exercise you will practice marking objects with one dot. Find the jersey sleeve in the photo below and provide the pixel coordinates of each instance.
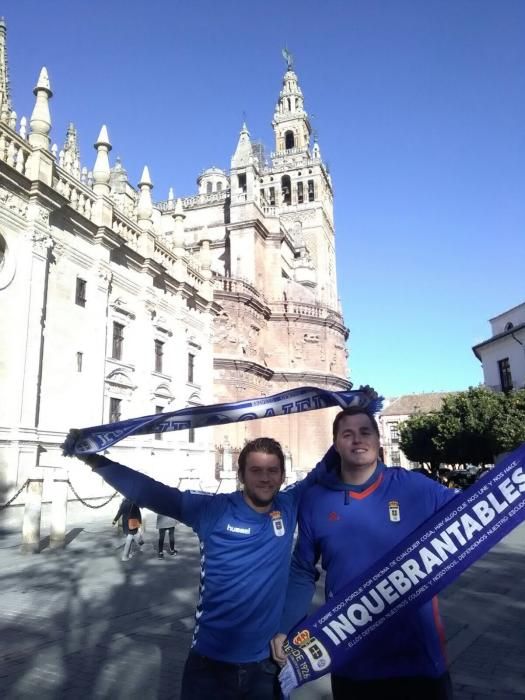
(190, 508)
(303, 573)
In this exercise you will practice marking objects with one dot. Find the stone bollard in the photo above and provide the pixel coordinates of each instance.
(227, 458)
(227, 476)
(57, 537)
(32, 515)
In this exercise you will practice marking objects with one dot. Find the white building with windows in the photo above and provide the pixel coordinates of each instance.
(113, 305)
(502, 356)
(396, 411)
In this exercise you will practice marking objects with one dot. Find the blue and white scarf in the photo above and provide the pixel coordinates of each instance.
(100, 437)
(412, 573)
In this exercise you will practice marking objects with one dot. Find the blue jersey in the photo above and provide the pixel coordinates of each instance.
(351, 528)
(245, 559)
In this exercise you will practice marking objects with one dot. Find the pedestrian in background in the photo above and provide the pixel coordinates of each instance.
(166, 524)
(131, 525)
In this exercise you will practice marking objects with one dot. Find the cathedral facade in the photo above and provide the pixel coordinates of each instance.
(113, 305)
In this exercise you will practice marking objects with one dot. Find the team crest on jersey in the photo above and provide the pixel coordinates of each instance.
(393, 511)
(277, 522)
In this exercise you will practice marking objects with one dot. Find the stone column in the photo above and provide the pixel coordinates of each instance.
(227, 475)
(59, 513)
(32, 516)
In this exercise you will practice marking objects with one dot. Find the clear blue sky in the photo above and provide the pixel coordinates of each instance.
(420, 110)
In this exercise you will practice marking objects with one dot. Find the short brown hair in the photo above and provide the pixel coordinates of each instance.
(353, 411)
(263, 444)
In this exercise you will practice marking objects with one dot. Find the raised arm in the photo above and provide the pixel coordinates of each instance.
(189, 508)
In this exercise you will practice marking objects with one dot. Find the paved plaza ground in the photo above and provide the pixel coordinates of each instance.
(79, 623)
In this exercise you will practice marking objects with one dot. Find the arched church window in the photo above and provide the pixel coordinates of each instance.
(272, 196)
(508, 326)
(286, 187)
(300, 193)
(289, 104)
(219, 187)
(289, 140)
(209, 187)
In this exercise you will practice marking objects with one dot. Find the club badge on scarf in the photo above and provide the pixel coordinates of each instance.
(298, 400)
(412, 573)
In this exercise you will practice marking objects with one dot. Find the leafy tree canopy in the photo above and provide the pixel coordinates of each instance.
(472, 427)
(416, 439)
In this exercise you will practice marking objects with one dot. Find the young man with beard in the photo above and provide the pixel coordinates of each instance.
(355, 516)
(246, 541)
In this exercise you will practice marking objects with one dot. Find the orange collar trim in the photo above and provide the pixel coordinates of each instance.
(359, 495)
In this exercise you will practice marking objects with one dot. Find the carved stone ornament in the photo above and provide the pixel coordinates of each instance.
(58, 250)
(299, 216)
(43, 215)
(105, 275)
(41, 241)
(13, 202)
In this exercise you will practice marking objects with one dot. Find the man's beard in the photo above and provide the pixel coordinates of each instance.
(260, 502)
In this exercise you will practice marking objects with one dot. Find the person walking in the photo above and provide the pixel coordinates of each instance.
(166, 524)
(131, 526)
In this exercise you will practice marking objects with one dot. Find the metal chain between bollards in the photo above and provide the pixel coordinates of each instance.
(90, 505)
(4, 505)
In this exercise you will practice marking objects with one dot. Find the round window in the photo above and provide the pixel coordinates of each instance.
(7, 263)
(3, 251)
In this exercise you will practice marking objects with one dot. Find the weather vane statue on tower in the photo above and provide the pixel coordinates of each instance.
(288, 58)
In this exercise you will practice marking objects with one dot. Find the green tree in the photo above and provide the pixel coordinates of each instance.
(472, 427)
(417, 439)
(466, 431)
(509, 425)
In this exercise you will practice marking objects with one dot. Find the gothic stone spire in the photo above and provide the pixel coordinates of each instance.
(5, 97)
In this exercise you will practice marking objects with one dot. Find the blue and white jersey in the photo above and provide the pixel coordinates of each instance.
(245, 559)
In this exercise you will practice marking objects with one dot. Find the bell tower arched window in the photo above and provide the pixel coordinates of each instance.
(289, 140)
(286, 187)
(311, 193)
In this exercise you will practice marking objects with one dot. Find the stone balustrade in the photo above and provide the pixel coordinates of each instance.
(14, 150)
(197, 200)
(235, 285)
(79, 196)
(298, 308)
(194, 276)
(127, 229)
(163, 256)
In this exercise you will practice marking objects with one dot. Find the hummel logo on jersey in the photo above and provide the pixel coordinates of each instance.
(334, 516)
(239, 530)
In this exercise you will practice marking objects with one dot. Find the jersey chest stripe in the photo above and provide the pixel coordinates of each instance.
(359, 495)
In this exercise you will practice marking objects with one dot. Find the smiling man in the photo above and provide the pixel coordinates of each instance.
(356, 515)
(246, 542)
